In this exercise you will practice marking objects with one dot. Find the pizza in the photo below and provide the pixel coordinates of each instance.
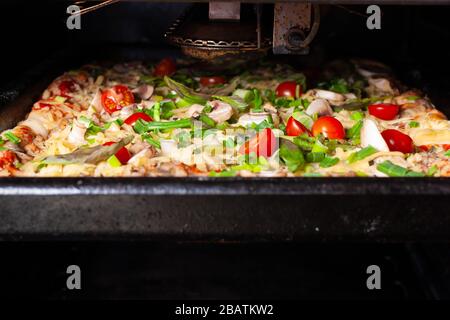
(253, 119)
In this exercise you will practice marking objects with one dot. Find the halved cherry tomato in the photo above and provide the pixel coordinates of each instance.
(123, 155)
(165, 67)
(116, 98)
(398, 141)
(384, 111)
(66, 87)
(329, 127)
(136, 116)
(264, 143)
(289, 89)
(295, 128)
(211, 81)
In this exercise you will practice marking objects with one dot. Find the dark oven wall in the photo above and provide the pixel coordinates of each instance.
(412, 39)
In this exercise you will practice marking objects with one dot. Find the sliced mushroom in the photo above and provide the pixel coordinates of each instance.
(329, 95)
(371, 136)
(144, 91)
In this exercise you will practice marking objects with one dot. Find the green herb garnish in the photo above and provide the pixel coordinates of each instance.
(224, 173)
(355, 130)
(291, 155)
(357, 115)
(315, 156)
(328, 162)
(141, 126)
(361, 154)
(393, 170)
(12, 137)
(257, 101)
(147, 138)
(413, 124)
(432, 170)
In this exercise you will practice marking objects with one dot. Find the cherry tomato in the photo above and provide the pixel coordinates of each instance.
(295, 128)
(7, 159)
(446, 147)
(116, 98)
(136, 116)
(264, 143)
(289, 89)
(211, 81)
(66, 87)
(123, 155)
(165, 67)
(329, 127)
(398, 141)
(384, 111)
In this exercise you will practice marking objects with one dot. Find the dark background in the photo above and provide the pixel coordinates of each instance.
(413, 40)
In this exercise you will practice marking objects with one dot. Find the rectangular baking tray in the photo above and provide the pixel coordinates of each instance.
(212, 209)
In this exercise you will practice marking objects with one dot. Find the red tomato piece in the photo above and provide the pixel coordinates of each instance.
(398, 141)
(289, 89)
(123, 155)
(295, 128)
(116, 98)
(211, 81)
(384, 111)
(446, 147)
(264, 143)
(136, 116)
(165, 67)
(329, 127)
